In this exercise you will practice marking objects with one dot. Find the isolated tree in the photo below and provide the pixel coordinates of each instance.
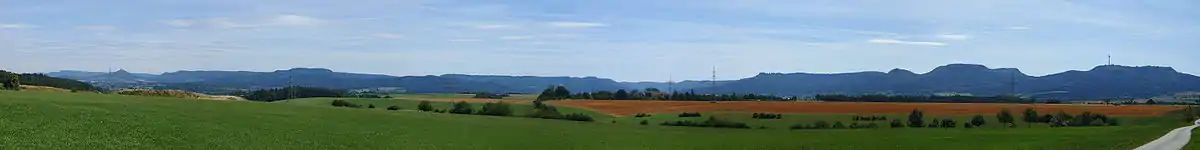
(916, 119)
(1005, 117)
(897, 124)
(1030, 116)
(425, 106)
(978, 120)
(462, 107)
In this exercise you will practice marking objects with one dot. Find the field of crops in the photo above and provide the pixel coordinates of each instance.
(626, 108)
(33, 120)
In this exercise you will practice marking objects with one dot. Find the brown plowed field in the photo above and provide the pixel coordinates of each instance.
(625, 108)
(469, 100)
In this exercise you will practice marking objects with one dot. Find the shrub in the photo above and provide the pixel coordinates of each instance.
(462, 107)
(978, 120)
(496, 109)
(425, 106)
(546, 112)
(934, 123)
(370, 105)
(870, 118)
(799, 126)
(1005, 117)
(897, 124)
(821, 124)
(639, 115)
(1113, 122)
(916, 118)
(948, 123)
(838, 125)
(644, 122)
(393, 108)
(766, 116)
(968, 125)
(711, 122)
(694, 114)
(344, 103)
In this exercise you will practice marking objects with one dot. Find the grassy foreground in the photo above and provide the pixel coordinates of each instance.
(33, 120)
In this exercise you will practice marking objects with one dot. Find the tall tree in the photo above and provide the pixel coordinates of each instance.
(621, 95)
(1030, 116)
(1005, 117)
(916, 119)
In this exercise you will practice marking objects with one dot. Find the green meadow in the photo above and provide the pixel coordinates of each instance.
(37, 120)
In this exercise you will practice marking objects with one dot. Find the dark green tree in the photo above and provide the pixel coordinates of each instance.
(462, 107)
(496, 109)
(978, 120)
(1005, 117)
(425, 106)
(916, 119)
(621, 95)
(1030, 116)
(561, 92)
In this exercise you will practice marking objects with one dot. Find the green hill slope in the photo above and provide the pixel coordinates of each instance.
(33, 120)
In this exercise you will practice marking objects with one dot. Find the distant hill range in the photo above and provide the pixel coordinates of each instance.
(1109, 81)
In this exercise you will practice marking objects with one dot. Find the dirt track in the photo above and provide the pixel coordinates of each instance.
(625, 108)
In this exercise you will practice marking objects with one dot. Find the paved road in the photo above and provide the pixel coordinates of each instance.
(1174, 140)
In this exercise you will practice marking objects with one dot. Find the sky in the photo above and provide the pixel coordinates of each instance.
(625, 40)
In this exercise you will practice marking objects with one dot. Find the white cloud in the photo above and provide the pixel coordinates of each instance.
(954, 37)
(1018, 28)
(387, 35)
(16, 26)
(295, 20)
(900, 42)
(494, 26)
(178, 23)
(568, 24)
(96, 28)
(515, 37)
(466, 40)
(560, 36)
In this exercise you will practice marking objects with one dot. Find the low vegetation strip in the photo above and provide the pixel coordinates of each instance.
(178, 94)
(629, 107)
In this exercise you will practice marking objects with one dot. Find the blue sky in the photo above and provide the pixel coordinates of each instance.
(627, 40)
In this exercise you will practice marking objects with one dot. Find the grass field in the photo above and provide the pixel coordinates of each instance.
(33, 120)
(450, 96)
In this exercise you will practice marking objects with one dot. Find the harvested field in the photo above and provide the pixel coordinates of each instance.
(469, 100)
(625, 108)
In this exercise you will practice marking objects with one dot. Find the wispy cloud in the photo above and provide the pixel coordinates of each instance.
(1018, 28)
(900, 42)
(387, 35)
(96, 28)
(570, 24)
(494, 27)
(515, 37)
(466, 40)
(178, 23)
(954, 37)
(16, 26)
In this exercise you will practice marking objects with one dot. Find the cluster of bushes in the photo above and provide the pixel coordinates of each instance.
(10, 81)
(692, 114)
(836, 125)
(712, 122)
(639, 115)
(269, 95)
(344, 103)
(870, 118)
(1083, 119)
(766, 116)
(943, 123)
(550, 112)
(161, 93)
(486, 95)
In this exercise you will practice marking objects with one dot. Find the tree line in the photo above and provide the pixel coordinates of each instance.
(914, 98)
(561, 93)
(276, 94)
(13, 81)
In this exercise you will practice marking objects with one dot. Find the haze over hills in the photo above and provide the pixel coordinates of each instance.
(1108, 81)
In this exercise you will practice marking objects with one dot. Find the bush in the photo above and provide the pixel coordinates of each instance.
(1005, 117)
(344, 103)
(644, 122)
(546, 112)
(694, 114)
(639, 115)
(425, 106)
(968, 125)
(948, 123)
(496, 109)
(711, 122)
(462, 107)
(393, 108)
(799, 126)
(766, 116)
(370, 105)
(838, 125)
(978, 120)
(870, 118)
(916, 119)
(897, 124)
(821, 124)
